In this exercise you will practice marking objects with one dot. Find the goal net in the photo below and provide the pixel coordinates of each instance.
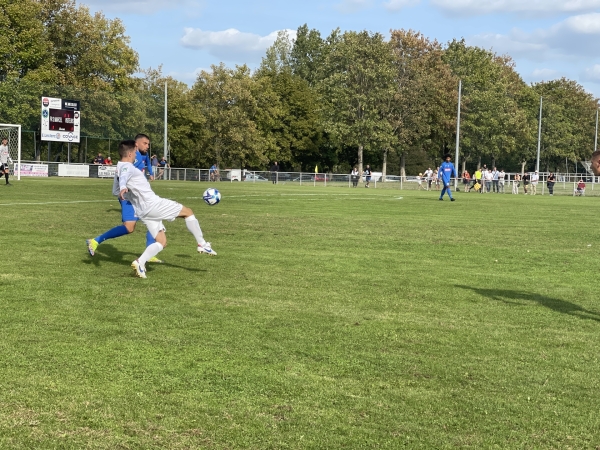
(13, 134)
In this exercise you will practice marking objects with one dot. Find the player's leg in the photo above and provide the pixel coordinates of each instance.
(129, 220)
(193, 227)
(157, 230)
(6, 173)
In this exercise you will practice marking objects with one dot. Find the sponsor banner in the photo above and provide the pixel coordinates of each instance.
(70, 170)
(32, 170)
(107, 171)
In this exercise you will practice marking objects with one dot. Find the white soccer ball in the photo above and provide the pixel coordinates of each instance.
(211, 196)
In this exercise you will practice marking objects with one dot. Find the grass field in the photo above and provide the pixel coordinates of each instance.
(331, 318)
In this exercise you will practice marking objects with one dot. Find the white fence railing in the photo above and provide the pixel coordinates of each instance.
(565, 183)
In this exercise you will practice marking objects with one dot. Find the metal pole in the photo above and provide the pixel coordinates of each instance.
(537, 164)
(166, 119)
(596, 135)
(457, 132)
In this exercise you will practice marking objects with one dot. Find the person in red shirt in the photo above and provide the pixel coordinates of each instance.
(108, 161)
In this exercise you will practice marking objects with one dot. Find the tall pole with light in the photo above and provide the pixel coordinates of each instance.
(165, 150)
(537, 164)
(458, 133)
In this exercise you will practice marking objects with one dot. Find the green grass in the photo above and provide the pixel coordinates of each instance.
(331, 318)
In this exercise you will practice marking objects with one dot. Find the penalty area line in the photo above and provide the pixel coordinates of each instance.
(57, 203)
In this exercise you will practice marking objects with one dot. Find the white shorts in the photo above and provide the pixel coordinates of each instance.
(164, 209)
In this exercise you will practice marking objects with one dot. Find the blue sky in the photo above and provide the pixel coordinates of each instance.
(546, 38)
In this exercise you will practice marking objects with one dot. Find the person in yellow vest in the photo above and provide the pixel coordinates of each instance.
(477, 177)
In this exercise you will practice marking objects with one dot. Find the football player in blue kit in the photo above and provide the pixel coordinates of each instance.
(446, 173)
(143, 163)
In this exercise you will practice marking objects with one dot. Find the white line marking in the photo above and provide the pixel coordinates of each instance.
(58, 203)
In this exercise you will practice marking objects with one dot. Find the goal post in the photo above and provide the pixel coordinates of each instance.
(12, 133)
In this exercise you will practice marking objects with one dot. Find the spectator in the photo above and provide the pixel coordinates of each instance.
(526, 180)
(420, 181)
(354, 175)
(501, 180)
(428, 177)
(488, 180)
(477, 176)
(516, 184)
(162, 165)
(154, 162)
(99, 159)
(495, 183)
(466, 180)
(436, 178)
(108, 161)
(213, 172)
(534, 182)
(367, 173)
(551, 180)
(580, 189)
(274, 172)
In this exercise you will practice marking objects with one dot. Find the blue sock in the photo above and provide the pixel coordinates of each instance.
(149, 239)
(443, 192)
(449, 193)
(115, 232)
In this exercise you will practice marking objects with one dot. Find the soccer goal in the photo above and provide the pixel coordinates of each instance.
(13, 134)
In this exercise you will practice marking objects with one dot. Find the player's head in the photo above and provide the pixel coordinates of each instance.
(447, 157)
(596, 162)
(142, 141)
(126, 148)
(4, 141)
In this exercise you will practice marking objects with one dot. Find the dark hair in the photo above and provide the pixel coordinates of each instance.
(125, 147)
(447, 155)
(596, 153)
(141, 136)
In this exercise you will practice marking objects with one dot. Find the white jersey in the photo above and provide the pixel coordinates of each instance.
(4, 155)
(140, 194)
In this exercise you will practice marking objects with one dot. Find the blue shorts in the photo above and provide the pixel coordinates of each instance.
(127, 211)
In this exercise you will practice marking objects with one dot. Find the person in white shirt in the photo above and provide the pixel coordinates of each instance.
(501, 180)
(428, 176)
(534, 182)
(131, 184)
(488, 180)
(4, 160)
(495, 180)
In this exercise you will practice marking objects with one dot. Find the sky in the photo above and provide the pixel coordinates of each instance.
(547, 39)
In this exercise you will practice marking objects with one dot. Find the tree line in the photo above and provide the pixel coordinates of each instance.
(337, 101)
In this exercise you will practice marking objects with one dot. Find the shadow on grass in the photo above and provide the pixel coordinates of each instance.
(514, 297)
(108, 253)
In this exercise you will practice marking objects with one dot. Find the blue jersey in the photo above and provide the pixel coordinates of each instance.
(446, 172)
(143, 162)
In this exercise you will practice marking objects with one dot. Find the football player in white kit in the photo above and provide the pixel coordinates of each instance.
(131, 184)
(4, 160)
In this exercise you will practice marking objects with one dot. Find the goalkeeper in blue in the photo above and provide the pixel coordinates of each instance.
(446, 173)
(142, 162)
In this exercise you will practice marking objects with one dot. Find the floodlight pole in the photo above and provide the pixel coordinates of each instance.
(596, 135)
(166, 137)
(537, 164)
(457, 132)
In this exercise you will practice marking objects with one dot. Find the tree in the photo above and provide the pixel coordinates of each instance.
(423, 107)
(493, 124)
(357, 84)
(568, 121)
(225, 97)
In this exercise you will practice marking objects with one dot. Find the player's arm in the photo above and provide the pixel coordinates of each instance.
(149, 167)
(123, 179)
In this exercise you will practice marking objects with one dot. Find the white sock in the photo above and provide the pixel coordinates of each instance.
(193, 225)
(151, 251)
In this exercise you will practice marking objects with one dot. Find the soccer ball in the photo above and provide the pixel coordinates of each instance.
(211, 196)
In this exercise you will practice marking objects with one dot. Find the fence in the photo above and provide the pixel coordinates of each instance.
(565, 183)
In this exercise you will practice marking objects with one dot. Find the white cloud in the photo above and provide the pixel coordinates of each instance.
(142, 6)
(231, 44)
(352, 6)
(575, 37)
(591, 74)
(545, 74)
(397, 5)
(477, 7)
